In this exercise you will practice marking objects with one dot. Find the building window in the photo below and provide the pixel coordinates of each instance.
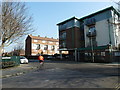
(46, 47)
(90, 21)
(38, 46)
(52, 47)
(50, 42)
(64, 44)
(34, 46)
(43, 41)
(92, 42)
(63, 35)
(57, 43)
(102, 53)
(92, 29)
(35, 40)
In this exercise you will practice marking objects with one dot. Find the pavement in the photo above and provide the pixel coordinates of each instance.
(17, 70)
(24, 68)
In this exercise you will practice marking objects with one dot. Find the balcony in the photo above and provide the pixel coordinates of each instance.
(90, 21)
(91, 34)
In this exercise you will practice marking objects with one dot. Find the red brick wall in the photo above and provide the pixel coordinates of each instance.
(74, 37)
(28, 46)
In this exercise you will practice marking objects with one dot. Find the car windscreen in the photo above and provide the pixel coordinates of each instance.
(22, 57)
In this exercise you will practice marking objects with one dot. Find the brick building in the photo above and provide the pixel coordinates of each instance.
(41, 45)
(94, 34)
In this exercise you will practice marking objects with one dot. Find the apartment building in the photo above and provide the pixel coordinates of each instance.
(36, 45)
(97, 31)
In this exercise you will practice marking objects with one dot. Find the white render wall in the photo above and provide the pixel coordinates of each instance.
(116, 28)
(102, 33)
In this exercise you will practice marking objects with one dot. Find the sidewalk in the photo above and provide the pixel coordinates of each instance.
(17, 70)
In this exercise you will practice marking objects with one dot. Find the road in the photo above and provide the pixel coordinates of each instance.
(66, 75)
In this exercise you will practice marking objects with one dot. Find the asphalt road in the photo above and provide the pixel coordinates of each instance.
(66, 75)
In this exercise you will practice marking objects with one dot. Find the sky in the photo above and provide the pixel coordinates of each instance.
(47, 14)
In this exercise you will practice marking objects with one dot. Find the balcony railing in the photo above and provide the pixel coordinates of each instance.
(91, 34)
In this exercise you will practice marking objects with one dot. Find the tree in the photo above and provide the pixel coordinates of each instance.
(18, 50)
(15, 23)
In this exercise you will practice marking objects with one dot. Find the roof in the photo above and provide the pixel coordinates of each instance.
(43, 38)
(68, 20)
(103, 10)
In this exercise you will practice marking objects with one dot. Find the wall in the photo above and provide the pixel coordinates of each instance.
(104, 29)
(69, 24)
(42, 45)
(28, 46)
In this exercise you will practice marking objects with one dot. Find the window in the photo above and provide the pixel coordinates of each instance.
(102, 53)
(45, 47)
(38, 47)
(92, 29)
(92, 42)
(50, 42)
(41, 46)
(90, 21)
(63, 35)
(52, 47)
(35, 40)
(43, 41)
(34, 46)
(64, 44)
(57, 43)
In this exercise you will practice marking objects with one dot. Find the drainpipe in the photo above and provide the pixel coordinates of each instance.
(109, 31)
(75, 54)
(73, 37)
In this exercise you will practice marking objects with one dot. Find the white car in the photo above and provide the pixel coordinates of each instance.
(23, 60)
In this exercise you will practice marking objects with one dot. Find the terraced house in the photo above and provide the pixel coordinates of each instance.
(36, 45)
(93, 35)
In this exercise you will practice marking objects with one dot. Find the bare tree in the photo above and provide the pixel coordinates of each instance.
(15, 23)
(18, 49)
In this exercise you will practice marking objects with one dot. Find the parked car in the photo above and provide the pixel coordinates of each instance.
(23, 60)
(50, 57)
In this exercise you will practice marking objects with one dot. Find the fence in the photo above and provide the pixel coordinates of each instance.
(10, 61)
(99, 56)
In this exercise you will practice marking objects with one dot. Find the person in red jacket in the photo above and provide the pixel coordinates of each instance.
(41, 59)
